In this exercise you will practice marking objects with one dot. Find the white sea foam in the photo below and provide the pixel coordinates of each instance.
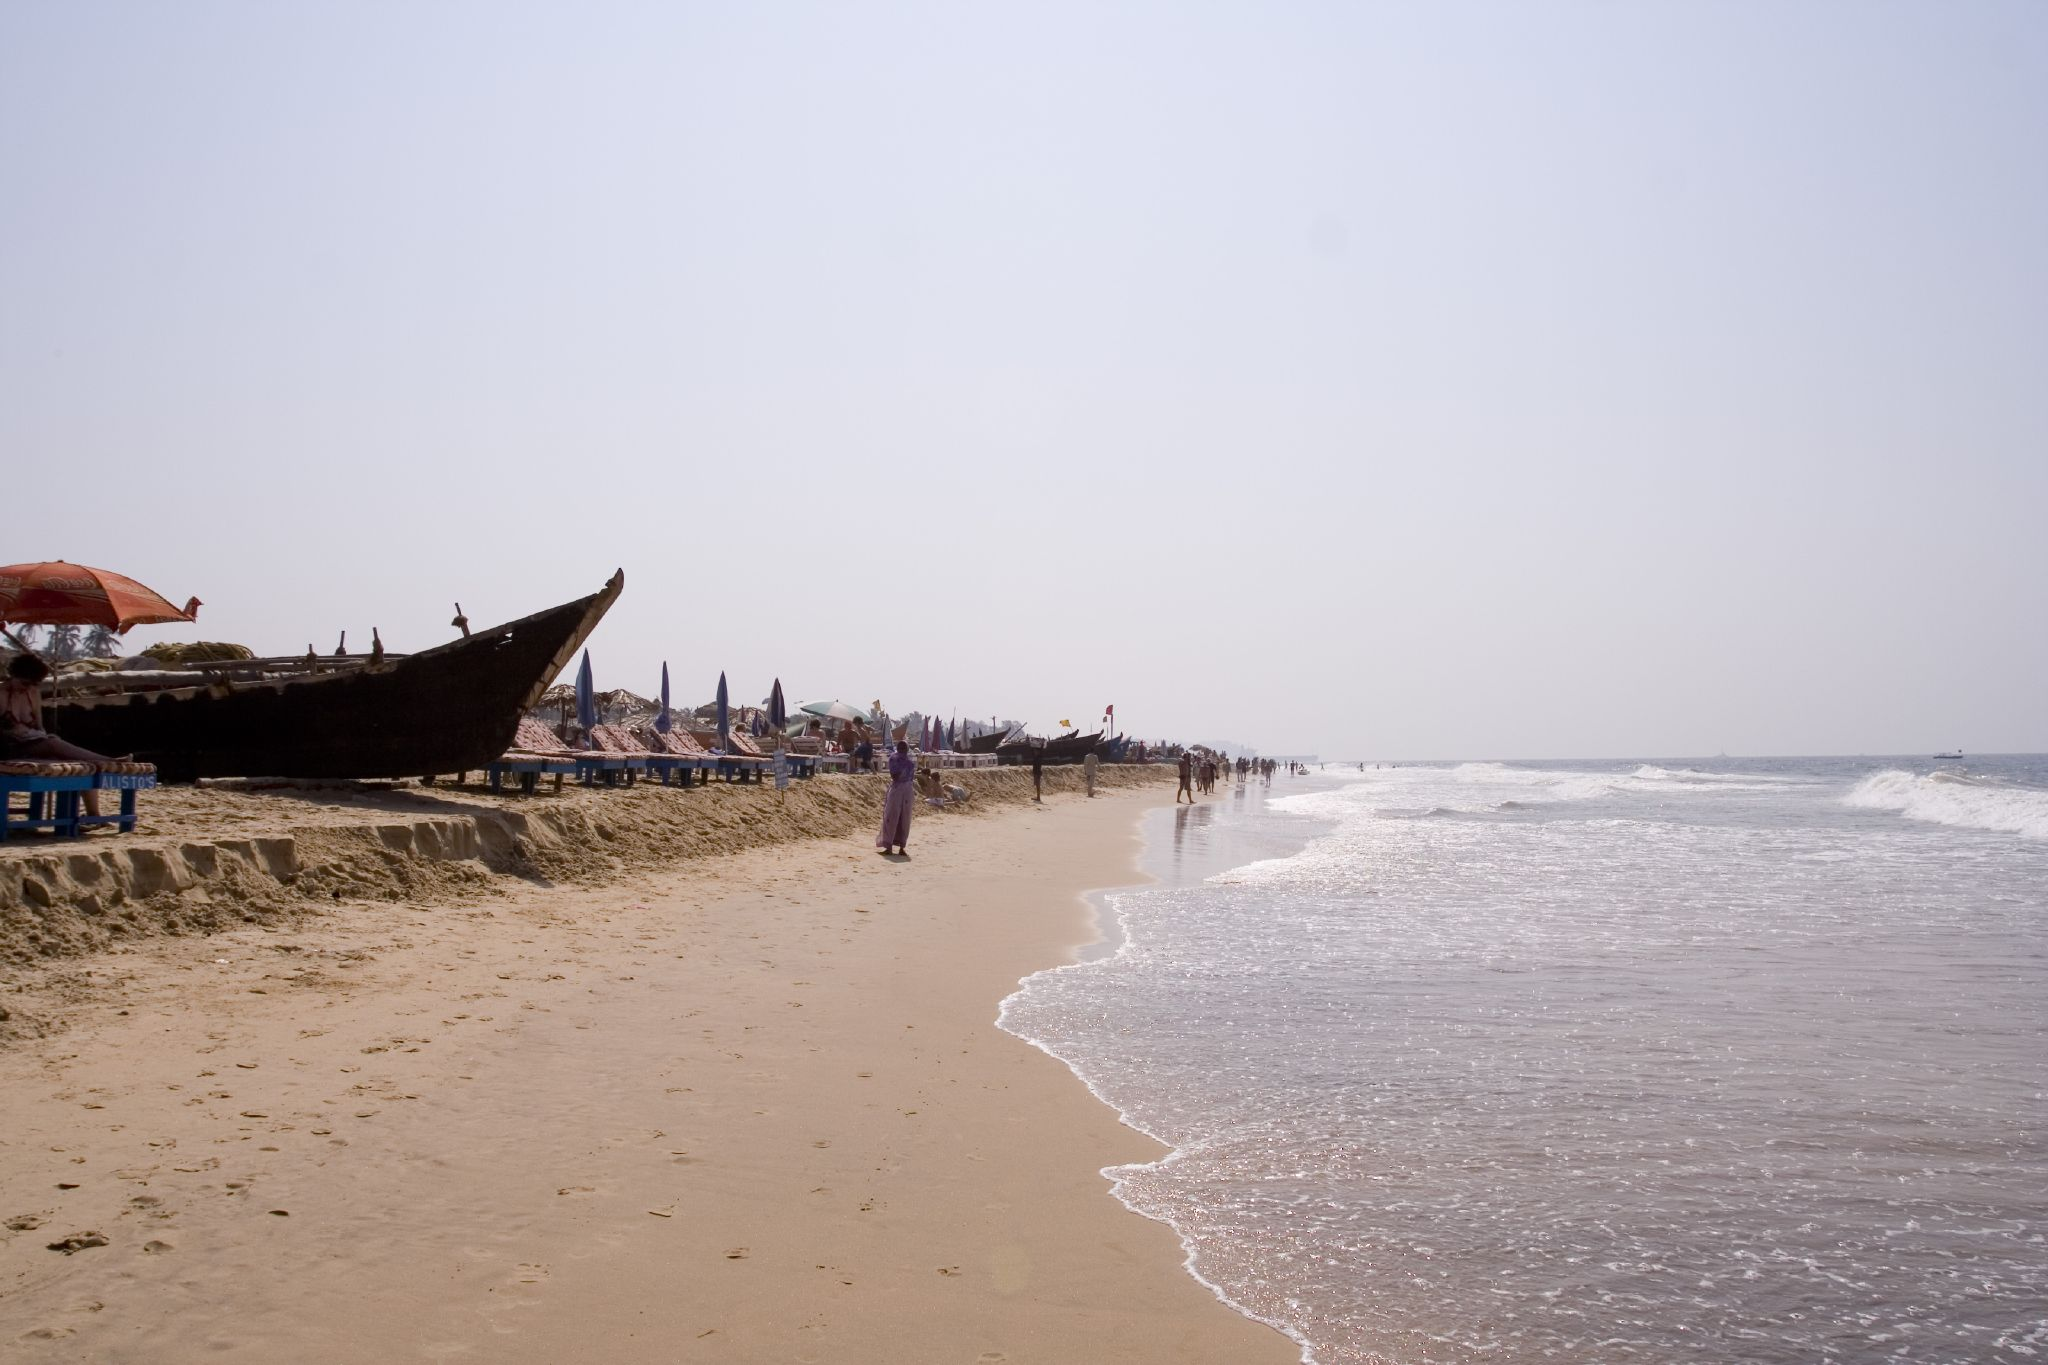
(1650, 772)
(1949, 798)
(1477, 788)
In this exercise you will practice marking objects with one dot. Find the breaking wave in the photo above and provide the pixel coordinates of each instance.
(1408, 793)
(1949, 798)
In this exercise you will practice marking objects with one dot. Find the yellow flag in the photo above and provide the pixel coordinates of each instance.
(1066, 725)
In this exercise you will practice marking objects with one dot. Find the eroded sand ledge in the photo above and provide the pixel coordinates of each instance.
(206, 858)
(740, 1109)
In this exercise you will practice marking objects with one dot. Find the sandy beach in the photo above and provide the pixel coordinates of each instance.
(740, 1108)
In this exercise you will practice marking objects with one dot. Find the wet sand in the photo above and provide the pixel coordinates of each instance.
(752, 1108)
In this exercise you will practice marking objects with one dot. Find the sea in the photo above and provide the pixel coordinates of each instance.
(1669, 1061)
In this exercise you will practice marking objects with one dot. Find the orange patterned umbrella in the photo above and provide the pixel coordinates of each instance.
(60, 594)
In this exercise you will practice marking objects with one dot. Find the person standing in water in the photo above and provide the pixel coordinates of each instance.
(902, 796)
(1187, 779)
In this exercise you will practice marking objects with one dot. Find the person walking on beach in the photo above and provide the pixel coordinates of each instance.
(1088, 767)
(1187, 779)
(902, 796)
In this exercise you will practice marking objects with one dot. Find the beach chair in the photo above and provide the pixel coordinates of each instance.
(50, 792)
(806, 755)
(610, 766)
(535, 753)
(735, 764)
(617, 739)
(689, 756)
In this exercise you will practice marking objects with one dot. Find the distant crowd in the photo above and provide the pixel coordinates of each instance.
(1200, 770)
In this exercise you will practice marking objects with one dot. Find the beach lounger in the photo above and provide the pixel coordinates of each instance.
(535, 753)
(54, 794)
(616, 739)
(735, 764)
(691, 756)
(608, 766)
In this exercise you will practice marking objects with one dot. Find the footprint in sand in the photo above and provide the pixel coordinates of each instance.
(529, 1272)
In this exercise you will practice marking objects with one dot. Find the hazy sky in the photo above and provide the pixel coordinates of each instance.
(1391, 380)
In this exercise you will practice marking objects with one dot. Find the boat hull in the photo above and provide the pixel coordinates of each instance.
(443, 710)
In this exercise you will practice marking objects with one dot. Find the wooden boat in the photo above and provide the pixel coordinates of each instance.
(443, 710)
(1070, 747)
(983, 744)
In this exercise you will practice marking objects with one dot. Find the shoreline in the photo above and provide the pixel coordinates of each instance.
(1156, 869)
(745, 1108)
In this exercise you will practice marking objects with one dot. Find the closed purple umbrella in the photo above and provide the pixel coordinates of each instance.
(724, 716)
(662, 722)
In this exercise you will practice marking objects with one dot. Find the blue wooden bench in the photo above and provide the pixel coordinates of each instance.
(53, 795)
(127, 779)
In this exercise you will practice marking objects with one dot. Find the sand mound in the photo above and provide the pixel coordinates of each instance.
(208, 858)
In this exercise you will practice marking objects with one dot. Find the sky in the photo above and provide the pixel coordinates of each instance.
(1379, 381)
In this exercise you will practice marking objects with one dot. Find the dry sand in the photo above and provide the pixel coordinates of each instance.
(746, 1108)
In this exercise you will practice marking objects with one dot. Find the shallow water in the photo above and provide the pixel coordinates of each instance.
(1636, 1062)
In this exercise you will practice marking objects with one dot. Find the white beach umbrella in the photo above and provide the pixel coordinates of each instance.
(836, 710)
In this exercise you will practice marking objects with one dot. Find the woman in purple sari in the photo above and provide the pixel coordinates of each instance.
(902, 796)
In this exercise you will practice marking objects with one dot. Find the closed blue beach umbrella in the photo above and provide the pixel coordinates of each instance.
(778, 710)
(586, 696)
(952, 734)
(662, 722)
(724, 716)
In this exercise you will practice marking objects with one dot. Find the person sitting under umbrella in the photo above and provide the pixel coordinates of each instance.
(21, 723)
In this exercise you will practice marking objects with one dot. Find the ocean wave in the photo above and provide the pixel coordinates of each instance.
(1650, 772)
(1954, 798)
(1489, 788)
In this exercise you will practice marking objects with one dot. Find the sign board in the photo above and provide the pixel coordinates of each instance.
(781, 770)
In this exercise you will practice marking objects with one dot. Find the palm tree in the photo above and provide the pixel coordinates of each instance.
(100, 643)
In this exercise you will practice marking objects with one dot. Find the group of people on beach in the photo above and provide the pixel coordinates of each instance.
(1200, 770)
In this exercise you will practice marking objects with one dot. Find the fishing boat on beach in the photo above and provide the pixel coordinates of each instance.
(1071, 747)
(983, 744)
(442, 710)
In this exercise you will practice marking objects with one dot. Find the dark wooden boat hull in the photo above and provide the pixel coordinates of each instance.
(443, 710)
(982, 744)
(1068, 748)
(1071, 748)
